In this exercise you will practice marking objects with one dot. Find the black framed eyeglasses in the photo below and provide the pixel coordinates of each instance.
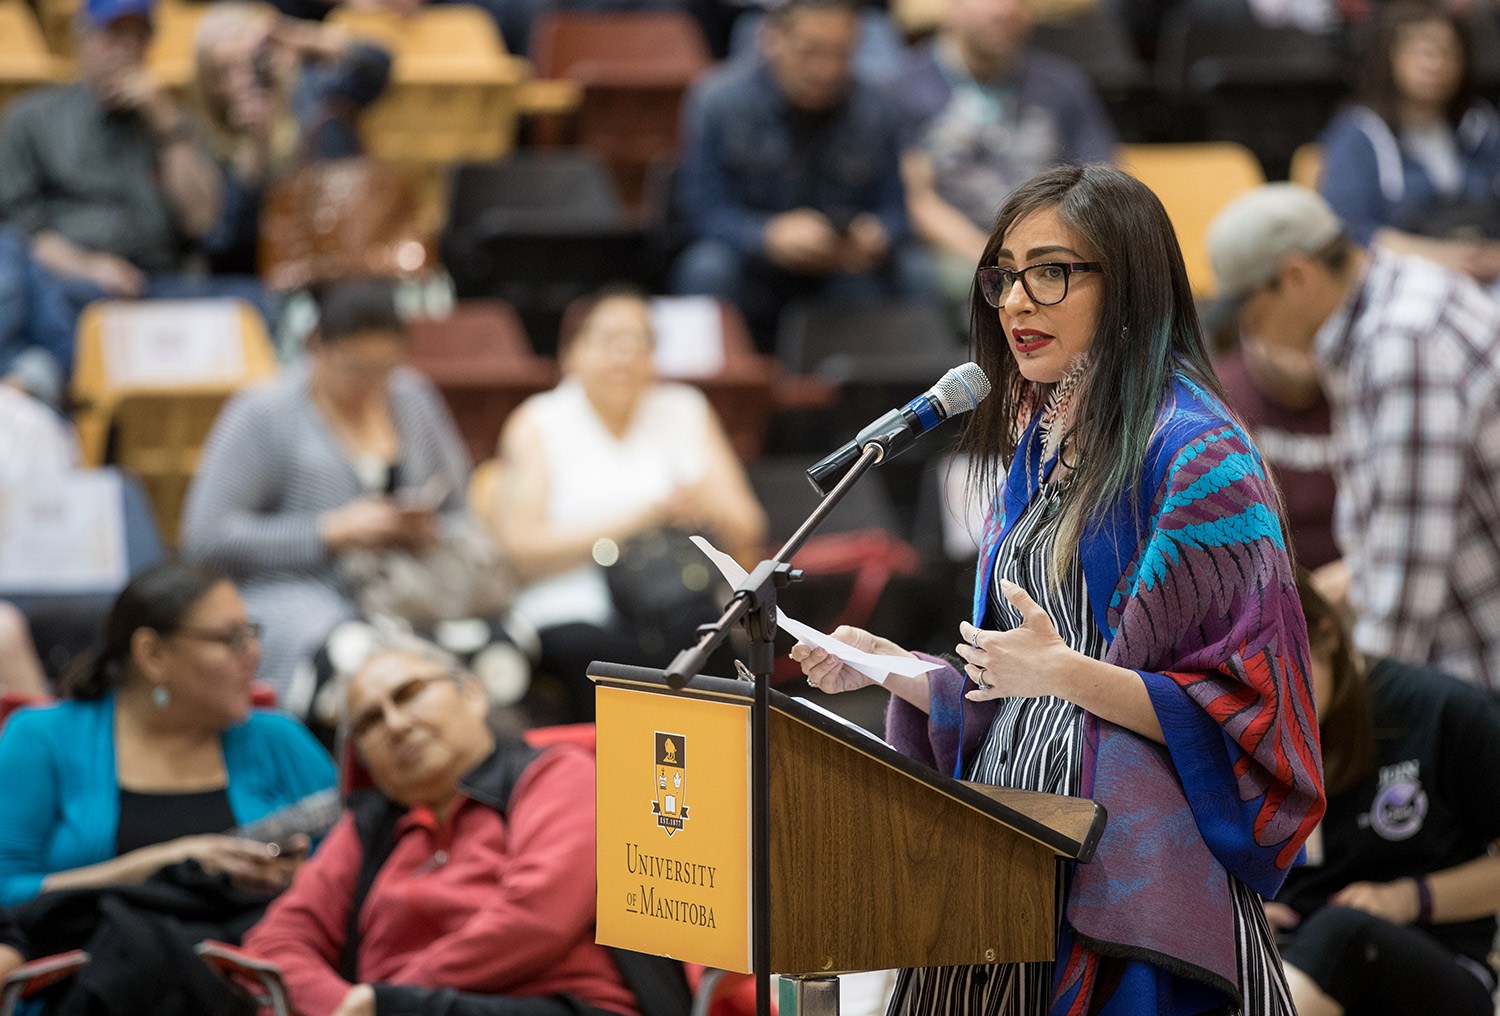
(1046, 283)
(237, 639)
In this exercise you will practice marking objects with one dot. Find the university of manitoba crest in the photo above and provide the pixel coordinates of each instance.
(670, 806)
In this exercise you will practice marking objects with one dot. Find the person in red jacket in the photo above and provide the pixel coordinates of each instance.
(463, 882)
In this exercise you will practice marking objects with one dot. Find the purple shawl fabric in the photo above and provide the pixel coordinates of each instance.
(1192, 588)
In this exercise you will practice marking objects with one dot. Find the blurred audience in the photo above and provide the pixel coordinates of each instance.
(346, 454)
(463, 881)
(610, 455)
(1278, 395)
(1414, 165)
(275, 92)
(790, 175)
(156, 754)
(1394, 911)
(1409, 354)
(984, 114)
(108, 187)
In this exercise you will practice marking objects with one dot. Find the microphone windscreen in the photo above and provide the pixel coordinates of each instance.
(961, 389)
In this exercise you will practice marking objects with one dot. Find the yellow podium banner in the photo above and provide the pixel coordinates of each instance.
(674, 827)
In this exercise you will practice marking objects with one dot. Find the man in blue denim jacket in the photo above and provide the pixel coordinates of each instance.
(791, 174)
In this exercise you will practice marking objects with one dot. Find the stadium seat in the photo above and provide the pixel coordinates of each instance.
(1272, 89)
(633, 68)
(896, 342)
(151, 423)
(538, 230)
(482, 363)
(1307, 165)
(1194, 182)
(172, 59)
(129, 347)
(454, 91)
(25, 62)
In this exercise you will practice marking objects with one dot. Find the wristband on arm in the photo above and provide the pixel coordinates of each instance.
(1424, 900)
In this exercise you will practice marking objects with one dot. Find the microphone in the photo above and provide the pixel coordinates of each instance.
(957, 392)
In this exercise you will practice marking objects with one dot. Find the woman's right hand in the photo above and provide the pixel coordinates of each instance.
(250, 864)
(366, 523)
(827, 673)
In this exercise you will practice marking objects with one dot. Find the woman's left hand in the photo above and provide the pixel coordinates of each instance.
(1396, 901)
(1028, 661)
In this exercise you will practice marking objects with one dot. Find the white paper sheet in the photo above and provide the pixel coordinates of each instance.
(689, 336)
(873, 665)
(163, 342)
(66, 535)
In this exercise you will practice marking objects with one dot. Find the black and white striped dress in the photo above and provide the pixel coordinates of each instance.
(1037, 744)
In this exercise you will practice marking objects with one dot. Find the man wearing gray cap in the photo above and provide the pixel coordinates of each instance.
(1409, 356)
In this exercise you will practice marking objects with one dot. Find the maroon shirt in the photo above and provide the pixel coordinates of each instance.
(1297, 445)
(486, 904)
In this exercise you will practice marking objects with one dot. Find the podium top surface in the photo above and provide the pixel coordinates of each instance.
(1069, 826)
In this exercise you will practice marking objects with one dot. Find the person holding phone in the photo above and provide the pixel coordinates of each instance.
(155, 755)
(275, 93)
(348, 452)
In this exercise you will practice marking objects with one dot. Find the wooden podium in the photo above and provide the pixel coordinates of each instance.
(875, 861)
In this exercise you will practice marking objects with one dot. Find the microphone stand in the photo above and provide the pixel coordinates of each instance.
(754, 606)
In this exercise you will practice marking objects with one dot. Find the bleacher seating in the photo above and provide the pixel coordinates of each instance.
(483, 364)
(453, 94)
(1194, 181)
(25, 61)
(538, 230)
(1307, 165)
(1270, 89)
(633, 68)
(154, 424)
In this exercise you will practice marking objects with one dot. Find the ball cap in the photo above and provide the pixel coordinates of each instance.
(99, 13)
(1248, 239)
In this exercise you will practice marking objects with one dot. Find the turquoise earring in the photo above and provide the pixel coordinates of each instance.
(160, 697)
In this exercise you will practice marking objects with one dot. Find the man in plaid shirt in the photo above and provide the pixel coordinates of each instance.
(1409, 355)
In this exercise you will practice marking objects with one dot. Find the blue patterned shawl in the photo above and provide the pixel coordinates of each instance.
(1193, 589)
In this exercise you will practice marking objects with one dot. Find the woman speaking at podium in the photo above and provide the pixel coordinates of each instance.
(1136, 637)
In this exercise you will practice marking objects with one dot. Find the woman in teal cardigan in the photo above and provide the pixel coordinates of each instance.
(156, 755)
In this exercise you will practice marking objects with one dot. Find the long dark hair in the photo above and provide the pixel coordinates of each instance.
(355, 306)
(1147, 330)
(1348, 724)
(159, 598)
(1377, 81)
